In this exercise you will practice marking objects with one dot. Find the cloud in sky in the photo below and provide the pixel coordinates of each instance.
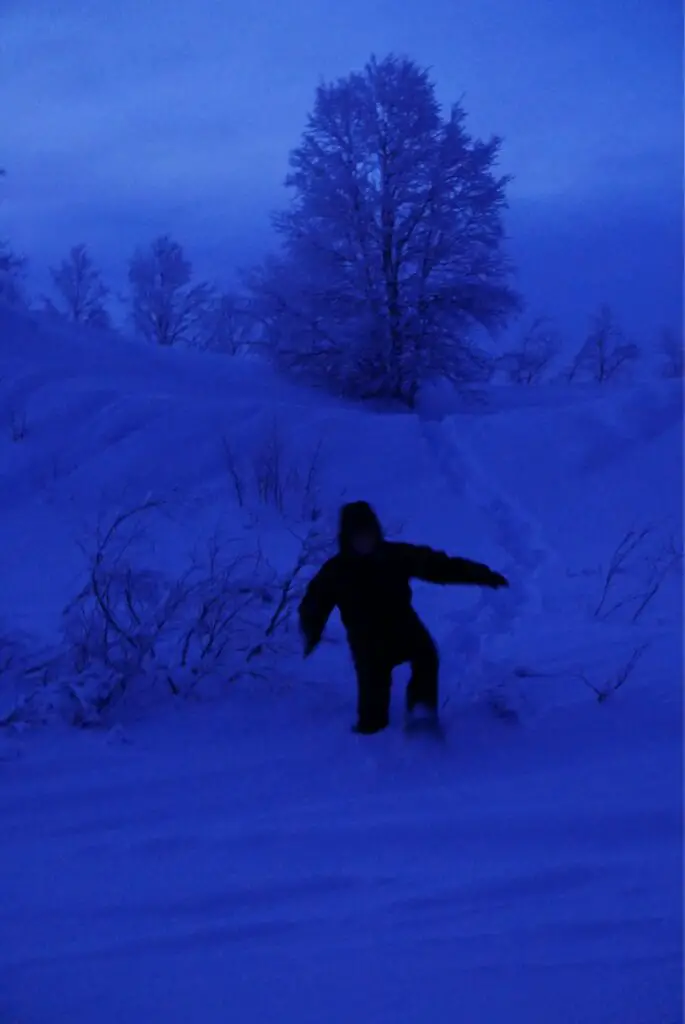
(121, 119)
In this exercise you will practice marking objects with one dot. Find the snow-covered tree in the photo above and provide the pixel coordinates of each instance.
(227, 326)
(606, 354)
(166, 306)
(12, 276)
(80, 289)
(392, 245)
(12, 272)
(529, 361)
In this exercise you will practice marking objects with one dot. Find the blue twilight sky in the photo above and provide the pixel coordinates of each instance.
(120, 119)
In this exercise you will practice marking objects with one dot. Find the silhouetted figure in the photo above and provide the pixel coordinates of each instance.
(368, 580)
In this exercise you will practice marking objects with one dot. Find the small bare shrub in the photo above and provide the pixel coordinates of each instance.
(642, 561)
(272, 474)
(618, 564)
(131, 624)
(601, 683)
(287, 587)
(18, 674)
(605, 355)
(134, 625)
(130, 621)
(529, 362)
(618, 679)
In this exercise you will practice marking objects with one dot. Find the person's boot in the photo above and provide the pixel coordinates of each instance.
(422, 718)
(369, 728)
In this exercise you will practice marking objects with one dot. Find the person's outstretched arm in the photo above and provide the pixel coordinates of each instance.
(424, 563)
(320, 598)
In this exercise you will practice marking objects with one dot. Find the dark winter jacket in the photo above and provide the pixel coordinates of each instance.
(373, 592)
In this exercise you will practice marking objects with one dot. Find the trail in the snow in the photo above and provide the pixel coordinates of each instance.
(479, 639)
(512, 529)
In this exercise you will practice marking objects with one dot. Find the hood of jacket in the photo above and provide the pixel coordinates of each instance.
(357, 517)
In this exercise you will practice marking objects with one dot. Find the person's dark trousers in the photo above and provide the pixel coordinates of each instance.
(374, 680)
(423, 684)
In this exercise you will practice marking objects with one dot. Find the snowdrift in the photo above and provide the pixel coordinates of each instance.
(236, 853)
(542, 483)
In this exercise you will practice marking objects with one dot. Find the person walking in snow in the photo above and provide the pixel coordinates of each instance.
(369, 582)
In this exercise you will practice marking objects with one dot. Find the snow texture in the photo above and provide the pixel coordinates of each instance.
(238, 854)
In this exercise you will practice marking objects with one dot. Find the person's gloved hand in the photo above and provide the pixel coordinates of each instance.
(496, 580)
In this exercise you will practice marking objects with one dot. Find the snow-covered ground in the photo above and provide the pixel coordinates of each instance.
(238, 854)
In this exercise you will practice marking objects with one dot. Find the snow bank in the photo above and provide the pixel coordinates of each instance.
(244, 856)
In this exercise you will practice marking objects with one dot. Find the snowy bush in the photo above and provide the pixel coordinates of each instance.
(26, 672)
(134, 630)
(131, 623)
(223, 612)
(273, 474)
(134, 626)
(139, 627)
(392, 246)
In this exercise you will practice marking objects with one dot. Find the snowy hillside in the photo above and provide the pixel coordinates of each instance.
(217, 845)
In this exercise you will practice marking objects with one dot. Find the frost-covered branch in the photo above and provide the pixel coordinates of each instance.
(643, 561)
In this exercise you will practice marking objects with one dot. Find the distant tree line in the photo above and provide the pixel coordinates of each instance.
(392, 270)
(605, 355)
